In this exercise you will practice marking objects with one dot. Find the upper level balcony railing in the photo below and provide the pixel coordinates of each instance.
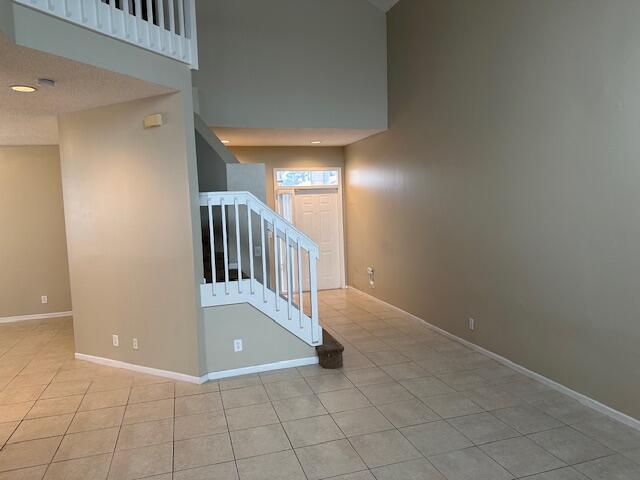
(166, 27)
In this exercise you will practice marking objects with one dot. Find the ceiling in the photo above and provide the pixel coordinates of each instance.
(30, 118)
(292, 137)
(384, 5)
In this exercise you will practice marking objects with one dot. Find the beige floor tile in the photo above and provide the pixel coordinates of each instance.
(521, 456)
(405, 371)
(364, 475)
(201, 451)
(89, 468)
(570, 446)
(560, 474)
(240, 382)
(309, 371)
(275, 466)
(386, 357)
(483, 428)
(342, 400)
(420, 469)
(15, 411)
(493, 398)
(633, 455)
(435, 438)
(251, 416)
(6, 430)
(383, 448)
(404, 414)
(55, 406)
(201, 425)
(141, 462)
(368, 376)
(615, 467)
(362, 421)
(84, 444)
(97, 419)
(452, 405)
(386, 393)
(150, 393)
(106, 399)
(469, 464)
(21, 394)
(425, 387)
(287, 389)
(41, 378)
(329, 460)
(313, 430)
(65, 389)
(610, 433)
(194, 404)
(28, 454)
(147, 412)
(122, 381)
(527, 419)
(299, 407)
(259, 441)
(145, 434)
(183, 388)
(279, 375)
(329, 382)
(242, 397)
(41, 428)
(32, 473)
(221, 471)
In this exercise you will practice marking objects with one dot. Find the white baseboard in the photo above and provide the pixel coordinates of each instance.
(37, 316)
(583, 399)
(267, 367)
(181, 377)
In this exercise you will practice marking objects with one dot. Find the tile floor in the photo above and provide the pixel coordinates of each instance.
(409, 404)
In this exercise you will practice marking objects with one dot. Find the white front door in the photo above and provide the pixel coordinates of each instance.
(317, 213)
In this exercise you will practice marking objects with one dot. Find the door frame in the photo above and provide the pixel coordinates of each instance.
(277, 189)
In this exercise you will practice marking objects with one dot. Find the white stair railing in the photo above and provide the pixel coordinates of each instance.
(166, 27)
(258, 257)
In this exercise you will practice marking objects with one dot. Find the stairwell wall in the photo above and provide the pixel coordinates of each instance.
(133, 233)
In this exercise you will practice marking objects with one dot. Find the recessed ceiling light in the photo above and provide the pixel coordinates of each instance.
(225, 141)
(316, 142)
(23, 88)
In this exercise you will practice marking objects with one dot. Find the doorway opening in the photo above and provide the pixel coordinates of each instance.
(311, 199)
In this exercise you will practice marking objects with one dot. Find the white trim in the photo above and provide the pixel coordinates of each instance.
(182, 377)
(267, 367)
(583, 399)
(37, 316)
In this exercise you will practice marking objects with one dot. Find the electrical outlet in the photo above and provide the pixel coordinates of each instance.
(44, 299)
(237, 345)
(472, 324)
(257, 251)
(371, 274)
(135, 344)
(116, 340)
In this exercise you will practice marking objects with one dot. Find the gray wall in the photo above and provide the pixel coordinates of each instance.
(292, 64)
(133, 232)
(6, 18)
(264, 341)
(33, 245)
(507, 187)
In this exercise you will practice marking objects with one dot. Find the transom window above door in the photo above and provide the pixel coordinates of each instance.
(306, 178)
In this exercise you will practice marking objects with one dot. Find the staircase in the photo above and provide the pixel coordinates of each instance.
(253, 255)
